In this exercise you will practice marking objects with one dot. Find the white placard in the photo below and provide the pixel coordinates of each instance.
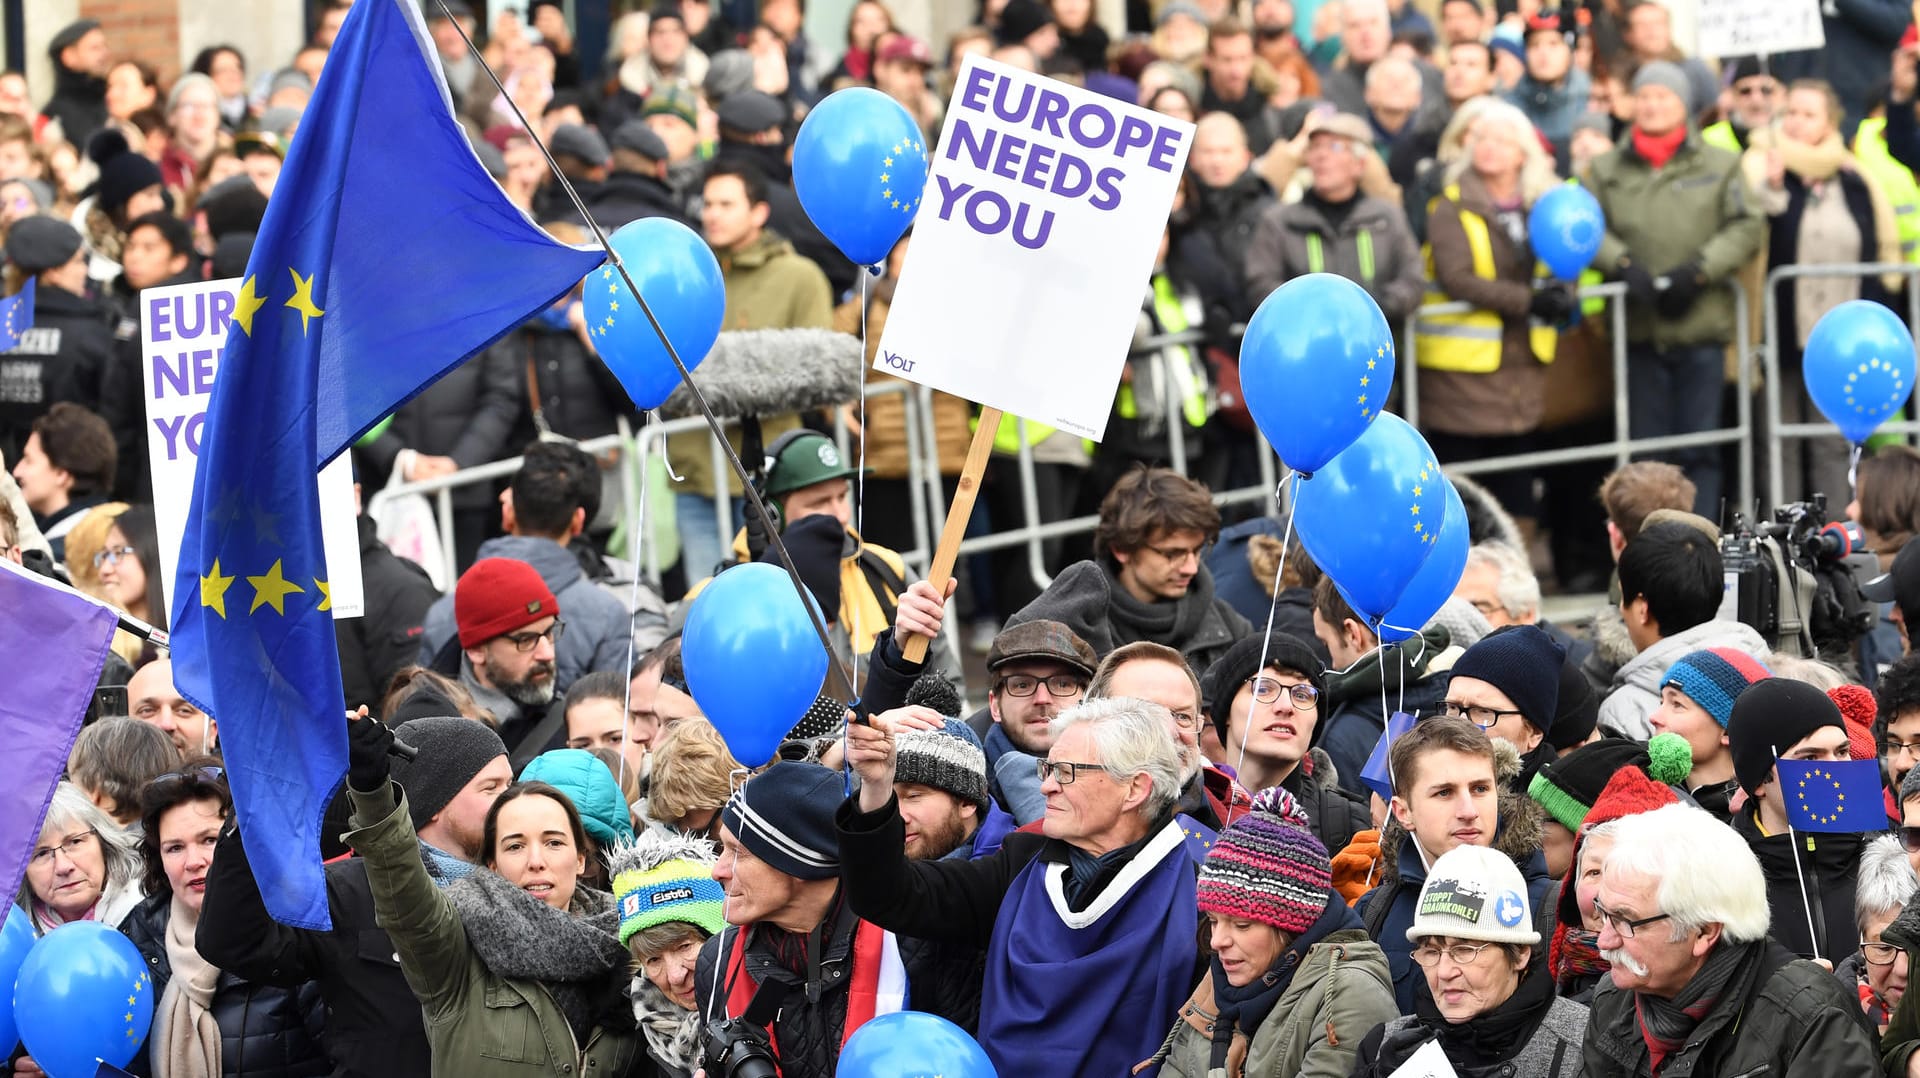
(1759, 27)
(183, 329)
(1428, 1061)
(1033, 245)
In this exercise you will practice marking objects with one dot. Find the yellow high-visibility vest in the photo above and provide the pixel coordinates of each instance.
(1870, 149)
(1470, 342)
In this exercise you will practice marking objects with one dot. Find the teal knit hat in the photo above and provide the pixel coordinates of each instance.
(659, 878)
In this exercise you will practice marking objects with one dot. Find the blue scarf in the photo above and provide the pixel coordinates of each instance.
(1089, 993)
(445, 868)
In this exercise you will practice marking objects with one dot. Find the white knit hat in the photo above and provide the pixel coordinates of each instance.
(1474, 893)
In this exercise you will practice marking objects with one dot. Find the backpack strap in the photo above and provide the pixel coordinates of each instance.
(882, 580)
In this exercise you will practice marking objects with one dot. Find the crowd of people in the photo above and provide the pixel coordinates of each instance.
(1185, 830)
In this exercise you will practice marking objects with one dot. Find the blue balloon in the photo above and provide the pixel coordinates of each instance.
(859, 166)
(752, 658)
(1859, 366)
(1433, 585)
(913, 1044)
(675, 270)
(1316, 366)
(83, 995)
(16, 939)
(1565, 228)
(1373, 515)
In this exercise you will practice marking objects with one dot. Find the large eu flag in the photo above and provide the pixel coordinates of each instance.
(387, 256)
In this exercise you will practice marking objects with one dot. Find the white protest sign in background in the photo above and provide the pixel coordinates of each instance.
(1759, 27)
(183, 329)
(1033, 245)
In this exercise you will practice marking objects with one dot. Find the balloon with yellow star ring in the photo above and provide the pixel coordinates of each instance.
(1373, 515)
(1316, 366)
(678, 276)
(1859, 367)
(859, 167)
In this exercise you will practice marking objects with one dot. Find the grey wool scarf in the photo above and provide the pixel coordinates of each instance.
(575, 955)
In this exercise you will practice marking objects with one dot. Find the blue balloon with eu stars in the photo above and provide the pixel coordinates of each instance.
(83, 995)
(1373, 515)
(1859, 367)
(859, 167)
(1566, 226)
(676, 271)
(1316, 366)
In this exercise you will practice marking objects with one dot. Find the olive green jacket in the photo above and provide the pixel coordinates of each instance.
(1695, 209)
(479, 1025)
(1342, 990)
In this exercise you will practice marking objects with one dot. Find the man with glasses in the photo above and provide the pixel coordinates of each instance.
(1089, 927)
(1697, 987)
(1897, 725)
(544, 514)
(1508, 684)
(1263, 699)
(1780, 719)
(1754, 99)
(1446, 794)
(1148, 579)
(509, 631)
(1037, 669)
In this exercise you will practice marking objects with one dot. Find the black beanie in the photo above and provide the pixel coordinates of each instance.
(1242, 661)
(452, 751)
(1568, 786)
(1523, 662)
(123, 173)
(816, 543)
(1576, 713)
(1770, 718)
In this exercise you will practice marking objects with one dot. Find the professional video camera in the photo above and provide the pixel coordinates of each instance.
(1796, 579)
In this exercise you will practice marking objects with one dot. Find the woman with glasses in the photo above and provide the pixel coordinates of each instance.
(129, 566)
(1879, 970)
(83, 868)
(1293, 979)
(1490, 1006)
(206, 1021)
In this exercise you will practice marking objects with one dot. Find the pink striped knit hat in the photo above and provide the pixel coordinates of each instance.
(1268, 867)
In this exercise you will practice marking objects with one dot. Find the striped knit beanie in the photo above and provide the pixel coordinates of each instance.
(1714, 678)
(784, 816)
(1268, 867)
(660, 878)
(949, 759)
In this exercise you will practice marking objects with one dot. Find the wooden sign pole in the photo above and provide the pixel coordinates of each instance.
(945, 554)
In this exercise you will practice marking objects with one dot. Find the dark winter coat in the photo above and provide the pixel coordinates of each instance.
(1829, 871)
(79, 102)
(266, 1030)
(1088, 600)
(1353, 721)
(1283, 243)
(575, 393)
(1550, 1047)
(123, 393)
(1333, 815)
(469, 415)
(62, 358)
(376, 645)
(1857, 60)
(373, 1024)
(1790, 1018)
(629, 196)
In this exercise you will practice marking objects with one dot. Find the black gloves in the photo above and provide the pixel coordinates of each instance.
(1639, 282)
(1552, 303)
(367, 743)
(1685, 282)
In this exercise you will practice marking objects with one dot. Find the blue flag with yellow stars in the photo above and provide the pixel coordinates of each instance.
(1835, 796)
(387, 255)
(16, 316)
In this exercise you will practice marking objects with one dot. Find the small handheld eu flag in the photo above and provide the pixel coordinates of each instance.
(1832, 796)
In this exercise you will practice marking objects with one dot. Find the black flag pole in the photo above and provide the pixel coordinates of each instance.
(837, 676)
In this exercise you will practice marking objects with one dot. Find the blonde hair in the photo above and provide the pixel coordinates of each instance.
(1536, 167)
(692, 770)
(86, 539)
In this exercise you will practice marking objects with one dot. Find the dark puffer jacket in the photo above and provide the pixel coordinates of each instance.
(265, 1031)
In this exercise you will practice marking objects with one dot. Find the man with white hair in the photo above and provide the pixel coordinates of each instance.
(1500, 584)
(1698, 987)
(1089, 927)
(1366, 32)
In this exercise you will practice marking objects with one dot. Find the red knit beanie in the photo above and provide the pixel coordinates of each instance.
(1858, 708)
(1629, 793)
(497, 596)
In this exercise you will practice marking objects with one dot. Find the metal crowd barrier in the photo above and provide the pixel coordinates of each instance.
(1780, 432)
(1623, 446)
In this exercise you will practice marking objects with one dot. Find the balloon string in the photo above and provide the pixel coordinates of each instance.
(637, 447)
(1266, 641)
(1853, 469)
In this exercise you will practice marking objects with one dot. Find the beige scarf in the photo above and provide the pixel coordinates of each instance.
(186, 1039)
(1814, 164)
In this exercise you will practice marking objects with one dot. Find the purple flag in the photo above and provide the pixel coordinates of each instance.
(55, 642)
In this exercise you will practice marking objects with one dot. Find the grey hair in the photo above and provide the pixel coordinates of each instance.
(1519, 589)
(1705, 872)
(119, 848)
(1536, 167)
(1885, 880)
(1823, 676)
(1131, 737)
